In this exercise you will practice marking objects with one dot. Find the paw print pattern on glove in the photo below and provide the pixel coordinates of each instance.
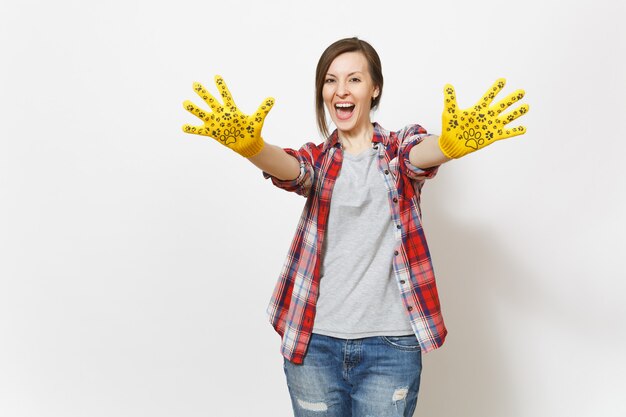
(226, 123)
(465, 131)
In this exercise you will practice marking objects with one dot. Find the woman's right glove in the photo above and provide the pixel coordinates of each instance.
(465, 131)
(226, 123)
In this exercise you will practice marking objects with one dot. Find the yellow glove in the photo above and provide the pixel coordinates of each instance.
(465, 131)
(226, 123)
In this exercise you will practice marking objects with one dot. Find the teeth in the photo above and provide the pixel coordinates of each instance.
(344, 105)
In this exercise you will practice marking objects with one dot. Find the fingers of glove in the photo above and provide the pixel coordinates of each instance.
(505, 133)
(449, 99)
(509, 117)
(196, 111)
(490, 94)
(229, 103)
(263, 109)
(207, 97)
(507, 102)
(196, 130)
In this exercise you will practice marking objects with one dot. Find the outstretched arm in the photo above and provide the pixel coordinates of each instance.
(276, 162)
(427, 153)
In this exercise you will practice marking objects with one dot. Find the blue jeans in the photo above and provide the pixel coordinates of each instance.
(370, 377)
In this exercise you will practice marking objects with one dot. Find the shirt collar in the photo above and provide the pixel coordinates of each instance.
(380, 136)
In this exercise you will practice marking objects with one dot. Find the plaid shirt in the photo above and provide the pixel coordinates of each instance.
(292, 307)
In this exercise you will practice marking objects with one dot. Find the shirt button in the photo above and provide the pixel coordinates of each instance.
(395, 252)
(398, 226)
(386, 172)
(395, 200)
(402, 281)
(410, 308)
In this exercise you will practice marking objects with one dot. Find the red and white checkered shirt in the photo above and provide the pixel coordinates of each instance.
(292, 307)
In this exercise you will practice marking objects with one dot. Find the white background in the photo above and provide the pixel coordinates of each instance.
(136, 261)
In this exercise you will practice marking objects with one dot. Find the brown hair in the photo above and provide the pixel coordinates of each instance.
(333, 51)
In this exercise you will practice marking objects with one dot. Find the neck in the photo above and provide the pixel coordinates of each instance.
(357, 138)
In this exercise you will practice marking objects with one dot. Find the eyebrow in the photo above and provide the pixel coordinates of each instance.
(352, 73)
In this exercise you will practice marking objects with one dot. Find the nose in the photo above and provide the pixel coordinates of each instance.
(342, 89)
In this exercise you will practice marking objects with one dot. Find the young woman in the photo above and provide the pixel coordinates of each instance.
(356, 303)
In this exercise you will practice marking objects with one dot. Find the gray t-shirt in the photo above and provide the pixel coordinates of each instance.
(359, 295)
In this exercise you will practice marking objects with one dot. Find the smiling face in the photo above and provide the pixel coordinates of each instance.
(348, 92)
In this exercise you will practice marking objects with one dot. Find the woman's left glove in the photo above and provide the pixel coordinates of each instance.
(465, 131)
(226, 123)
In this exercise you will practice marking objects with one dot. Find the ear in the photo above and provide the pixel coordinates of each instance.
(376, 92)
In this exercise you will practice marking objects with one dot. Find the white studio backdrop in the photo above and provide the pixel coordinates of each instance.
(136, 261)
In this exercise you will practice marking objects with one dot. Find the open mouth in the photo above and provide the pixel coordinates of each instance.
(344, 110)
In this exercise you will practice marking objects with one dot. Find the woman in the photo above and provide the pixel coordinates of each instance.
(356, 304)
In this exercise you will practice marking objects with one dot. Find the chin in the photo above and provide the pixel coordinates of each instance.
(346, 125)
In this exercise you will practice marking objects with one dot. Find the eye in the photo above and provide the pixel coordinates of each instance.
(329, 80)
(355, 79)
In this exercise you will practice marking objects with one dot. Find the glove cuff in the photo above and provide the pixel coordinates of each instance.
(449, 148)
(252, 148)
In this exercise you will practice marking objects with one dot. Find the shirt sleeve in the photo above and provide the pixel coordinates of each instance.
(302, 184)
(411, 136)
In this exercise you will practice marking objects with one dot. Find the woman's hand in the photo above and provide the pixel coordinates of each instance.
(226, 123)
(465, 131)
